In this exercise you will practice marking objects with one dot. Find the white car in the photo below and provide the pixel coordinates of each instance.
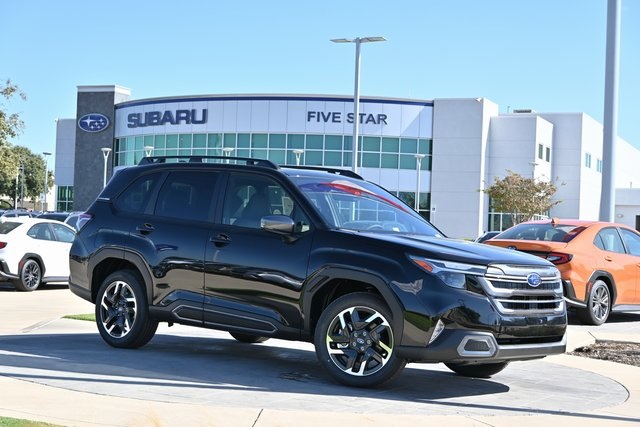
(34, 251)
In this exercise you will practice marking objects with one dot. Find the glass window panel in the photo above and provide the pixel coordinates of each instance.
(407, 162)
(389, 161)
(313, 158)
(139, 143)
(371, 144)
(129, 159)
(172, 152)
(184, 152)
(540, 148)
(424, 146)
(172, 141)
(548, 154)
(370, 160)
(409, 145)
(159, 152)
(347, 142)
(391, 145)
(148, 141)
(200, 140)
(230, 140)
(347, 159)
(291, 158)
(277, 140)
(184, 140)
(244, 140)
(278, 156)
(333, 142)
(314, 142)
(259, 140)
(259, 154)
(138, 156)
(244, 153)
(199, 151)
(159, 141)
(333, 158)
(214, 140)
(295, 141)
(426, 163)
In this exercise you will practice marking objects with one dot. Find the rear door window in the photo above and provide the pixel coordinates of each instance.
(631, 240)
(136, 197)
(609, 240)
(187, 195)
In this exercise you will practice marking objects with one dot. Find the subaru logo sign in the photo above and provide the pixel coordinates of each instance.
(534, 280)
(93, 122)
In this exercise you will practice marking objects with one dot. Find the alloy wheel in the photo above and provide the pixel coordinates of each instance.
(359, 341)
(118, 309)
(600, 303)
(31, 275)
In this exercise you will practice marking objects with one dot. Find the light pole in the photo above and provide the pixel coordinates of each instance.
(46, 180)
(227, 152)
(22, 189)
(356, 91)
(148, 150)
(298, 152)
(419, 158)
(15, 199)
(105, 153)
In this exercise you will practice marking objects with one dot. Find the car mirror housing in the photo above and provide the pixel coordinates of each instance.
(277, 223)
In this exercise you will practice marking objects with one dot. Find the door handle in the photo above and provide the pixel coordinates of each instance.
(221, 239)
(608, 258)
(145, 228)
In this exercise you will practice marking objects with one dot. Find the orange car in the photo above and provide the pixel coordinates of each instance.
(599, 262)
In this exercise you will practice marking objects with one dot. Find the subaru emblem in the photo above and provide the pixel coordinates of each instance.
(534, 280)
(93, 122)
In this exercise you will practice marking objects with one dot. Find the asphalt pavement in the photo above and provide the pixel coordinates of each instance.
(60, 371)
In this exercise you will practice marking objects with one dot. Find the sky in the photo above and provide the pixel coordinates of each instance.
(546, 55)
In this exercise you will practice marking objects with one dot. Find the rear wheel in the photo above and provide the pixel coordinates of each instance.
(355, 341)
(30, 276)
(248, 338)
(480, 370)
(122, 312)
(598, 305)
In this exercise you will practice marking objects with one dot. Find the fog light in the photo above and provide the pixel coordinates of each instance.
(477, 346)
(436, 331)
(474, 345)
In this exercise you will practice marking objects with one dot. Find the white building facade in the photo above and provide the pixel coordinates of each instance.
(444, 150)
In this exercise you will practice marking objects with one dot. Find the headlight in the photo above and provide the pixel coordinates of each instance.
(453, 274)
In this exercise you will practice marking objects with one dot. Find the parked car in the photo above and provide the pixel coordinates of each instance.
(15, 213)
(34, 251)
(72, 219)
(309, 254)
(599, 262)
(58, 216)
(486, 236)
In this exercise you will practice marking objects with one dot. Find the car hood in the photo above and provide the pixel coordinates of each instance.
(457, 250)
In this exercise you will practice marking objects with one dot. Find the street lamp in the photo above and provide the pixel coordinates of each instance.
(148, 150)
(298, 152)
(227, 152)
(419, 158)
(356, 91)
(105, 154)
(46, 180)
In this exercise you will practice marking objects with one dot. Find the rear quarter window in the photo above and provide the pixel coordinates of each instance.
(6, 227)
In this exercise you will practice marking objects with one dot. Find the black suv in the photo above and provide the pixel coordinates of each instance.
(310, 254)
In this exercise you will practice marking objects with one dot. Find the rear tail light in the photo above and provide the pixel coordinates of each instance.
(82, 220)
(3, 245)
(559, 258)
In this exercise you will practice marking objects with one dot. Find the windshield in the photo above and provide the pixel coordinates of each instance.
(360, 205)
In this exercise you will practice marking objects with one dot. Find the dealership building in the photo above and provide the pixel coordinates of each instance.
(443, 150)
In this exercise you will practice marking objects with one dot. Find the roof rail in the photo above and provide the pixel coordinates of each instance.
(344, 172)
(202, 159)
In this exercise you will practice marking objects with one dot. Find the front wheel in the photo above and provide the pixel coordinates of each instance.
(355, 341)
(598, 305)
(122, 312)
(480, 370)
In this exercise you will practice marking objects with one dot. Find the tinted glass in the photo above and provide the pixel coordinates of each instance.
(186, 195)
(631, 240)
(542, 232)
(6, 227)
(40, 232)
(608, 239)
(360, 205)
(63, 234)
(136, 197)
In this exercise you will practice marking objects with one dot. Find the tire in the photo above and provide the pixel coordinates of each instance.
(481, 370)
(355, 341)
(122, 311)
(30, 276)
(248, 338)
(598, 305)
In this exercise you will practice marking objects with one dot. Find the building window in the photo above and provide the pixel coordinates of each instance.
(548, 154)
(599, 165)
(587, 160)
(64, 201)
(540, 150)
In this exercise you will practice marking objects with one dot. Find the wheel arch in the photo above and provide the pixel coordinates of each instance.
(35, 257)
(608, 279)
(109, 260)
(334, 282)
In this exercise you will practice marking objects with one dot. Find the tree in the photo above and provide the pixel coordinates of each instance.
(10, 124)
(521, 197)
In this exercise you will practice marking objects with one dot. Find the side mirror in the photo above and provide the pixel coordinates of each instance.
(277, 224)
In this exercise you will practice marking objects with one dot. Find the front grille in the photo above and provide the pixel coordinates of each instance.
(511, 292)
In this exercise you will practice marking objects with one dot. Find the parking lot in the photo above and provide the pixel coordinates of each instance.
(60, 371)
